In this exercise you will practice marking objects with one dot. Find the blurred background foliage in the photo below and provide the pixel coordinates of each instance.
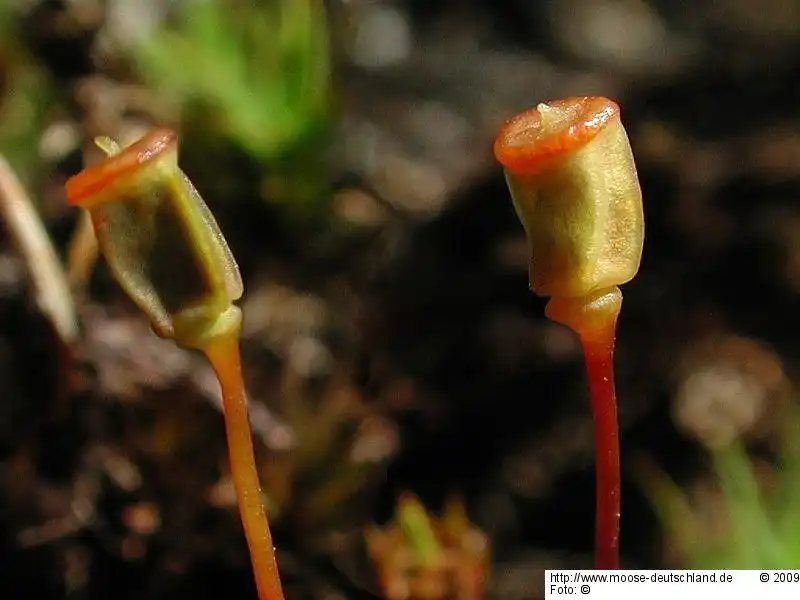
(745, 518)
(257, 75)
(26, 96)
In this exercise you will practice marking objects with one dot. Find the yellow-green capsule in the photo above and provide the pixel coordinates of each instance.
(160, 240)
(571, 174)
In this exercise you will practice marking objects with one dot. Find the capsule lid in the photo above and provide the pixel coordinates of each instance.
(85, 186)
(531, 140)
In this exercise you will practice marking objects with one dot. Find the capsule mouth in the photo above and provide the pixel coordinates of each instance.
(529, 142)
(82, 189)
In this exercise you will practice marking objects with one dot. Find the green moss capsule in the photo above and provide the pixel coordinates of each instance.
(573, 181)
(160, 240)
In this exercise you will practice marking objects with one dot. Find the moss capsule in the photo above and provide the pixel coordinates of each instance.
(160, 240)
(572, 178)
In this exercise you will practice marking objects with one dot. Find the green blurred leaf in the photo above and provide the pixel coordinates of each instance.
(761, 528)
(261, 69)
(26, 96)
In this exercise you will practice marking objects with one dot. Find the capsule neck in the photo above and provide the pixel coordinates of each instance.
(198, 330)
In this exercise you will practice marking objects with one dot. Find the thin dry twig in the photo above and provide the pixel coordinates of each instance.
(31, 240)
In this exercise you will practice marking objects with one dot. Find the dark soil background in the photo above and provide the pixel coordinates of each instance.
(391, 343)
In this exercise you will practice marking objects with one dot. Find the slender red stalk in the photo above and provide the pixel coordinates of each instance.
(225, 358)
(598, 349)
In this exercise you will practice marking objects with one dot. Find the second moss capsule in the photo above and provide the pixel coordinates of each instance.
(573, 182)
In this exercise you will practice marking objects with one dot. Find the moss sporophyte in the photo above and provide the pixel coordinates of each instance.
(573, 182)
(165, 249)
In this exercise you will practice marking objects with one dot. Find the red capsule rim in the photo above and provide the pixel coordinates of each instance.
(523, 147)
(81, 188)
